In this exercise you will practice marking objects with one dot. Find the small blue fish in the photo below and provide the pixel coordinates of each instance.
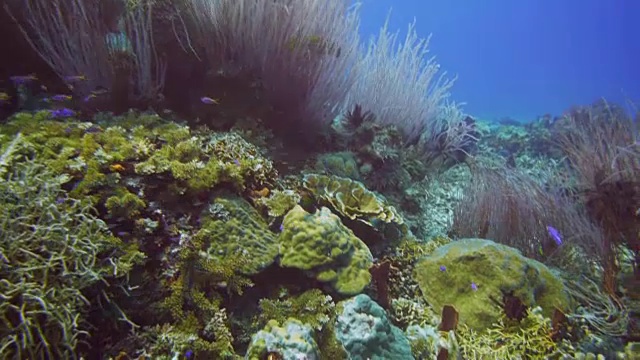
(474, 286)
(62, 113)
(188, 354)
(209, 101)
(443, 268)
(58, 98)
(555, 234)
(22, 79)
(236, 161)
(74, 78)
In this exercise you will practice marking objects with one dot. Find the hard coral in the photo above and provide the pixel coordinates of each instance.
(243, 232)
(530, 339)
(320, 244)
(52, 248)
(351, 199)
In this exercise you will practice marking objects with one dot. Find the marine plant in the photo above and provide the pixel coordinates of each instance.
(512, 208)
(284, 45)
(601, 145)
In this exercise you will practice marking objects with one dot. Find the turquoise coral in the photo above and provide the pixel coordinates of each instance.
(365, 332)
(321, 245)
(291, 340)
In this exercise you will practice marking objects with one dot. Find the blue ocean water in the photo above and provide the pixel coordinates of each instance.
(521, 59)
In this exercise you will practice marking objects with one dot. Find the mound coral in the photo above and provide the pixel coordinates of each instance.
(291, 340)
(365, 332)
(320, 244)
(469, 272)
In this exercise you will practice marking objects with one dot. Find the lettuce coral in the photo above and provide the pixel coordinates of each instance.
(351, 199)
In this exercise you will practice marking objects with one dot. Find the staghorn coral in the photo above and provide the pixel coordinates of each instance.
(319, 244)
(51, 248)
(242, 232)
(170, 341)
(194, 303)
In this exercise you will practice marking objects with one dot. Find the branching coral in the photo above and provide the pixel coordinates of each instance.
(312, 308)
(51, 248)
(530, 339)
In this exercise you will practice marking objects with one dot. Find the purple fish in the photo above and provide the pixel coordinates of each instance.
(209, 101)
(555, 234)
(281, 227)
(474, 287)
(443, 268)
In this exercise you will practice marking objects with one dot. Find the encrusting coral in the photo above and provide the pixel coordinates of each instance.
(242, 232)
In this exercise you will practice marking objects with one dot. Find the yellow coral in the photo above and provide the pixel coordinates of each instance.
(321, 244)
